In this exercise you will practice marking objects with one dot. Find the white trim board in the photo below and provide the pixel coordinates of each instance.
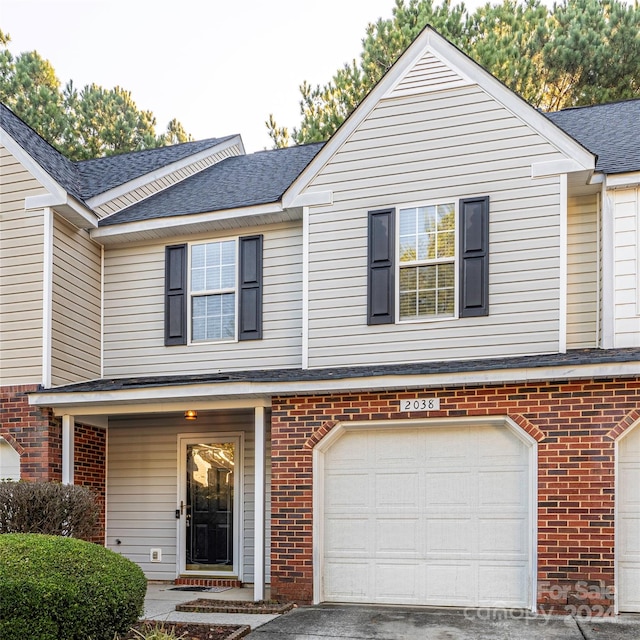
(250, 394)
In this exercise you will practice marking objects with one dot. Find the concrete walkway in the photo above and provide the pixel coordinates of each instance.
(340, 622)
(161, 600)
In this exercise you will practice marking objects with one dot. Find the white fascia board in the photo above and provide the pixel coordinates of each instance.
(248, 394)
(429, 40)
(554, 168)
(28, 162)
(160, 173)
(126, 228)
(623, 180)
(57, 196)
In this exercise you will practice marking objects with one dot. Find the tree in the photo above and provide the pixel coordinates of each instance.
(578, 52)
(81, 124)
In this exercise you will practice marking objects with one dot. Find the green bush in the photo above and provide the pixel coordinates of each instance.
(55, 588)
(48, 507)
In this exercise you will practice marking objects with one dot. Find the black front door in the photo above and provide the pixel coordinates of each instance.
(210, 492)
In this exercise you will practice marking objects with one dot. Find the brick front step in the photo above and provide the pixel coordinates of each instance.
(209, 582)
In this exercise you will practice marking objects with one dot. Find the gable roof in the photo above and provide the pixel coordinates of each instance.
(610, 131)
(62, 170)
(101, 174)
(235, 182)
(430, 41)
(88, 178)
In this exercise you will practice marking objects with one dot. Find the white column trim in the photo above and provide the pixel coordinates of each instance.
(564, 213)
(68, 424)
(607, 276)
(102, 311)
(259, 537)
(305, 287)
(47, 296)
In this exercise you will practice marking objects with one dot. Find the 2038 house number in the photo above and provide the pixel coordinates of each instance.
(420, 404)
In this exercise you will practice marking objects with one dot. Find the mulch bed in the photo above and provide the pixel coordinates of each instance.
(191, 631)
(203, 605)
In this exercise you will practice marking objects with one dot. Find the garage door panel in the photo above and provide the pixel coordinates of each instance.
(503, 488)
(392, 452)
(397, 583)
(398, 537)
(397, 491)
(348, 490)
(450, 487)
(628, 538)
(453, 583)
(348, 535)
(506, 582)
(449, 535)
(500, 536)
(427, 523)
(346, 581)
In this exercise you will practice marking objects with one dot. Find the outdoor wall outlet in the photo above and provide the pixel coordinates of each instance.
(155, 555)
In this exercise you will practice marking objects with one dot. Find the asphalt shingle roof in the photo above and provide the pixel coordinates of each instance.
(51, 160)
(611, 131)
(101, 174)
(238, 181)
(572, 358)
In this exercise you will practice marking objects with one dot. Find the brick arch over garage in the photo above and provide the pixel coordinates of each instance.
(571, 421)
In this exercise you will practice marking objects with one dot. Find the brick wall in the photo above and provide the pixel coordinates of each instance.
(37, 436)
(34, 433)
(575, 424)
(90, 466)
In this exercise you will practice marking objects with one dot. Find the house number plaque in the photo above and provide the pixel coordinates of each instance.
(420, 404)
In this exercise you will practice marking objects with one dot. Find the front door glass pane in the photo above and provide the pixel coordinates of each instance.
(210, 492)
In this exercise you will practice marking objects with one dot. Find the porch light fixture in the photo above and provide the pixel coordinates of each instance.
(190, 414)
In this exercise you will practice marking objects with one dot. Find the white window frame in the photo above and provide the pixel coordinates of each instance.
(456, 264)
(200, 294)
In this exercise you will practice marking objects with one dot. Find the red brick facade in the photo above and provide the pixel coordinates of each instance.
(37, 436)
(575, 425)
(34, 433)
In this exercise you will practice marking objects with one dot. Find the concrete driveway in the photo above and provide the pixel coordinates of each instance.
(333, 622)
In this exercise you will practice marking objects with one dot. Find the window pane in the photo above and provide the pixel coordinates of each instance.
(445, 302)
(197, 255)
(407, 222)
(408, 279)
(198, 328)
(427, 277)
(407, 305)
(213, 278)
(213, 253)
(427, 303)
(446, 276)
(228, 252)
(214, 317)
(197, 279)
(213, 328)
(228, 277)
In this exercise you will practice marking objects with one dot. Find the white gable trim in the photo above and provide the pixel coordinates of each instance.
(429, 40)
(166, 170)
(57, 196)
(623, 180)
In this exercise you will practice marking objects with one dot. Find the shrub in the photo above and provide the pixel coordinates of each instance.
(55, 588)
(48, 508)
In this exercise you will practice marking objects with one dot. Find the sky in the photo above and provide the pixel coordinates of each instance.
(219, 66)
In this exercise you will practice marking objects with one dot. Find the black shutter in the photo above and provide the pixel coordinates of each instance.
(474, 257)
(250, 288)
(380, 281)
(175, 295)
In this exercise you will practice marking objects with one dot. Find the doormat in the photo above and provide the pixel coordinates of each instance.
(201, 589)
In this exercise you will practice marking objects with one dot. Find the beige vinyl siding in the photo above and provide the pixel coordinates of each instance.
(154, 186)
(142, 486)
(582, 272)
(134, 312)
(75, 344)
(437, 147)
(428, 74)
(626, 203)
(21, 274)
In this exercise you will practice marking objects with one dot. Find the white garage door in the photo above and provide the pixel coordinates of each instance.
(629, 522)
(436, 516)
